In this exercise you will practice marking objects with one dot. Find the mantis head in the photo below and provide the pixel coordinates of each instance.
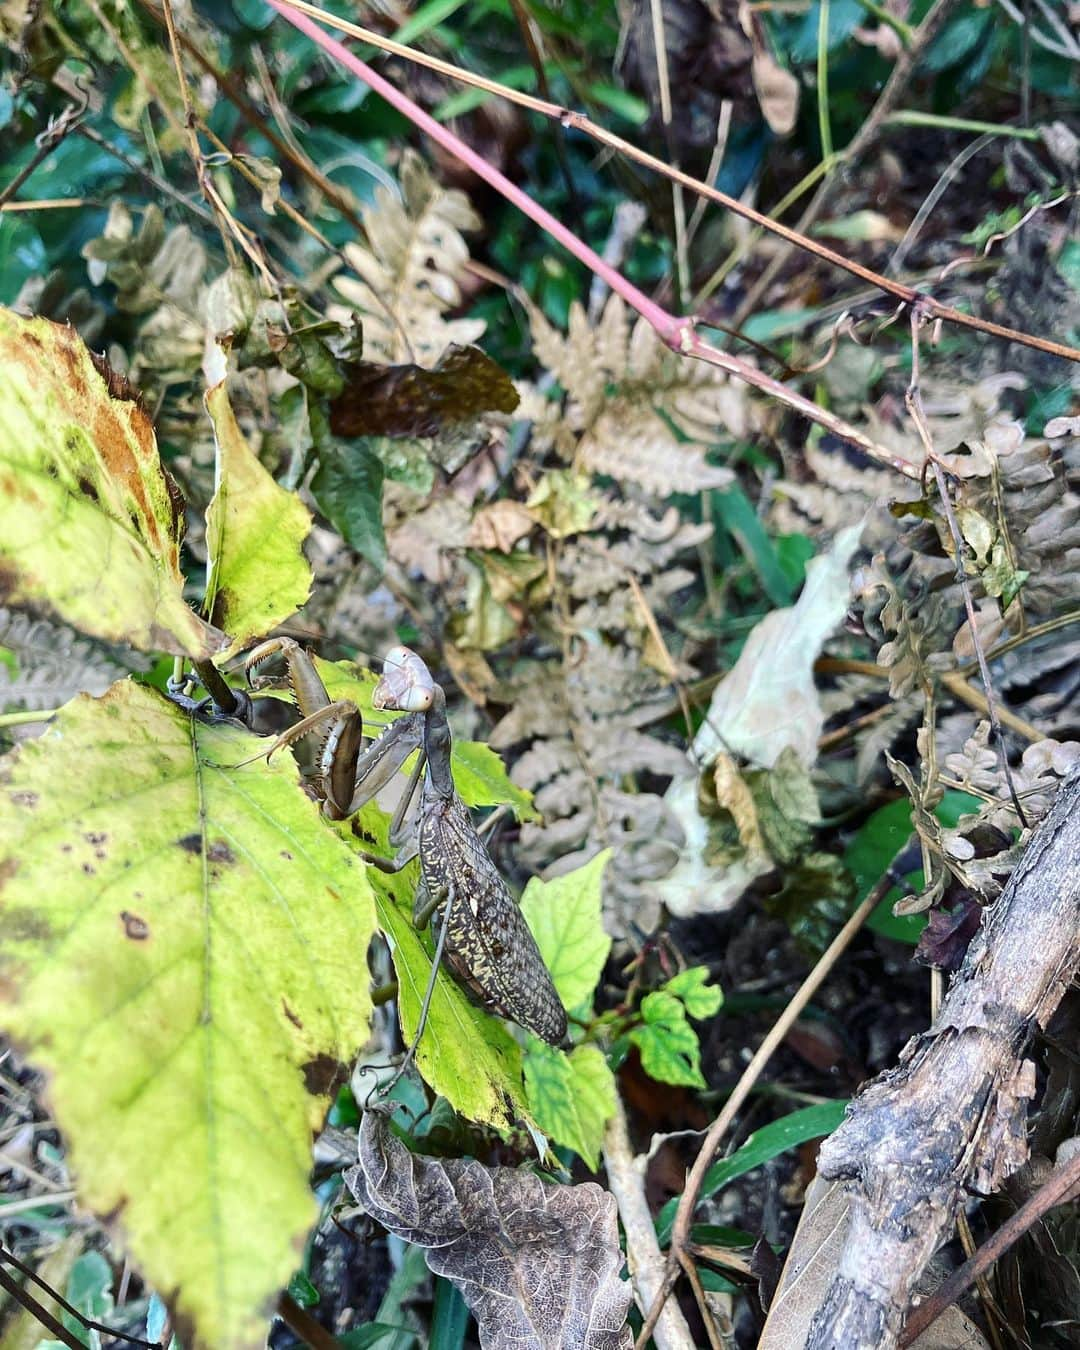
(406, 684)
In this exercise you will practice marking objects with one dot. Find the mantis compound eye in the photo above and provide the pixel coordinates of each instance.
(406, 684)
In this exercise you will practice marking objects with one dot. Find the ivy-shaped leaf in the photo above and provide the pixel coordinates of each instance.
(667, 1043)
(571, 1096)
(182, 954)
(700, 998)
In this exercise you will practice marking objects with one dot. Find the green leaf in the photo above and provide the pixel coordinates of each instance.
(347, 487)
(182, 954)
(449, 1317)
(302, 1290)
(667, 1043)
(1068, 263)
(621, 102)
(22, 254)
(743, 523)
(255, 530)
(700, 998)
(481, 780)
(811, 1122)
(877, 842)
(90, 522)
(565, 917)
(571, 1096)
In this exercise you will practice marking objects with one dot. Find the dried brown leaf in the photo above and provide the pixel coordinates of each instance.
(410, 400)
(538, 1264)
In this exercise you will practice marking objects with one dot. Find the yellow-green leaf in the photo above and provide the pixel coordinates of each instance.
(257, 574)
(90, 521)
(572, 1097)
(564, 915)
(667, 1043)
(692, 988)
(465, 1054)
(182, 952)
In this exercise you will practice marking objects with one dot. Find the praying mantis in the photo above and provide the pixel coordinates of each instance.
(482, 936)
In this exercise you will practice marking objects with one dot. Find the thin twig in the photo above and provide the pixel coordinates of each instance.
(678, 203)
(339, 198)
(680, 1231)
(902, 71)
(1061, 1187)
(913, 401)
(299, 13)
(158, 184)
(626, 1181)
(47, 142)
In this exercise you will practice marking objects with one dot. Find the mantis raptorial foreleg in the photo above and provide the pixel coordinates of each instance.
(344, 726)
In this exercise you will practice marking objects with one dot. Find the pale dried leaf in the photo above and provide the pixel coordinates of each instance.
(538, 1264)
(768, 702)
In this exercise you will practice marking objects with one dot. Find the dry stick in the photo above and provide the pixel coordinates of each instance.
(158, 184)
(301, 1323)
(529, 35)
(677, 333)
(47, 142)
(192, 138)
(626, 1182)
(913, 401)
(678, 203)
(568, 118)
(1061, 1187)
(680, 1231)
(44, 1316)
(950, 1118)
(865, 136)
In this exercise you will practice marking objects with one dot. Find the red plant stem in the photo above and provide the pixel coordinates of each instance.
(675, 332)
(567, 117)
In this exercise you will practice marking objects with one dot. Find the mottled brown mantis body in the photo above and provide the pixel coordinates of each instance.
(482, 936)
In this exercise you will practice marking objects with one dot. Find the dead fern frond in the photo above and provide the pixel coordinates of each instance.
(409, 272)
(638, 413)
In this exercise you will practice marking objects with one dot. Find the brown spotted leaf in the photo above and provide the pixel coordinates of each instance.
(408, 400)
(90, 521)
(182, 955)
(538, 1264)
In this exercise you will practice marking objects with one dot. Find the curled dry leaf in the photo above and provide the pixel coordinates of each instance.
(777, 88)
(538, 1264)
(409, 400)
(500, 525)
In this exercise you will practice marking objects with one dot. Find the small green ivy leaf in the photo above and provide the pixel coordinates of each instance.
(700, 998)
(571, 1096)
(565, 917)
(667, 1043)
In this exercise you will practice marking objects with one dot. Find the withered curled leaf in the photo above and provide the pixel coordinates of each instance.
(538, 1264)
(409, 400)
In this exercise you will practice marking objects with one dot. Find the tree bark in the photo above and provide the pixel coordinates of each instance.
(951, 1119)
